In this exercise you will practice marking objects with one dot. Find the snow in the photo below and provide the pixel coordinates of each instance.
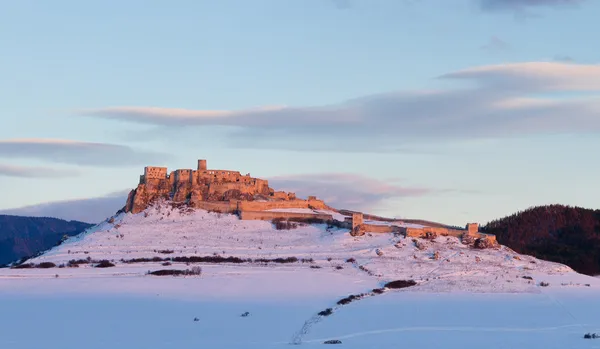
(466, 298)
(200, 233)
(338, 216)
(396, 223)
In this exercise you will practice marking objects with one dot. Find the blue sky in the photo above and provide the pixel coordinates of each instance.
(449, 110)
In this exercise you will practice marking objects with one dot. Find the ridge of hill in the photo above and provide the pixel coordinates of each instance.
(559, 233)
(25, 236)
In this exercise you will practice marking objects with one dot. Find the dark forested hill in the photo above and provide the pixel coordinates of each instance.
(563, 234)
(25, 236)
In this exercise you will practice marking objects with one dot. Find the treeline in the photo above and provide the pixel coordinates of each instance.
(563, 234)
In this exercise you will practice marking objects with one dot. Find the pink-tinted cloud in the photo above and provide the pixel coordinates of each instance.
(76, 152)
(499, 101)
(344, 190)
(35, 172)
(90, 210)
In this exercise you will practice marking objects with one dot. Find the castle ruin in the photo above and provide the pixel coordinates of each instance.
(211, 189)
(251, 198)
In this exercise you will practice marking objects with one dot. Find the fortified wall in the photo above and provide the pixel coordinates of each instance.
(216, 190)
(471, 231)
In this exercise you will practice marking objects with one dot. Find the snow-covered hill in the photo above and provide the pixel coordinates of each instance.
(285, 278)
(167, 232)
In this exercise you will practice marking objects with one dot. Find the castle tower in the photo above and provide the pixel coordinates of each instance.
(357, 219)
(472, 228)
(201, 165)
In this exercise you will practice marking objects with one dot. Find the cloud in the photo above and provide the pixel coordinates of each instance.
(35, 172)
(564, 58)
(344, 190)
(92, 210)
(74, 152)
(488, 102)
(496, 44)
(522, 5)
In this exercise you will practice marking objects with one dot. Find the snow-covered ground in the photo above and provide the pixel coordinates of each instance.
(335, 215)
(464, 298)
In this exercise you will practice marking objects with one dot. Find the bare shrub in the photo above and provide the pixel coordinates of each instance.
(195, 271)
(326, 312)
(105, 263)
(351, 298)
(333, 341)
(46, 265)
(277, 260)
(23, 266)
(167, 272)
(400, 284)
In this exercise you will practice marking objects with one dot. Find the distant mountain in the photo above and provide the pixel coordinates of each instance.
(563, 234)
(25, 236)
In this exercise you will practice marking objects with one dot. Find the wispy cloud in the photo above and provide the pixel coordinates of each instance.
(90, 210)
(35, 172)
(522, 5)
(500, 100)
(344, 190)
(495, 44)
(75, 152)
(564, 58)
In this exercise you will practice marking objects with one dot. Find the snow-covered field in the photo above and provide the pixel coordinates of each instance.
(464, 298)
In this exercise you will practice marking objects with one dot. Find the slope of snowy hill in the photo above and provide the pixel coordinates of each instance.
(166, 232)
(294, 285)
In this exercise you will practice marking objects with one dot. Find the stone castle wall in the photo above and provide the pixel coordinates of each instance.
(222, 206)
(151, 172)
(378, 228)
(284, 204)
(270, 215)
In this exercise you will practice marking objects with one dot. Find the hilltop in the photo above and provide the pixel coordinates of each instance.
(563, 234)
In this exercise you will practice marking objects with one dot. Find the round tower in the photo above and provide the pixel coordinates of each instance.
(201, 165)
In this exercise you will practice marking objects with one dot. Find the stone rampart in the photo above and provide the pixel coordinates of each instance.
(421, 232)
(219, 206)
(270, 215)
(378, 228)
(280, 204)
